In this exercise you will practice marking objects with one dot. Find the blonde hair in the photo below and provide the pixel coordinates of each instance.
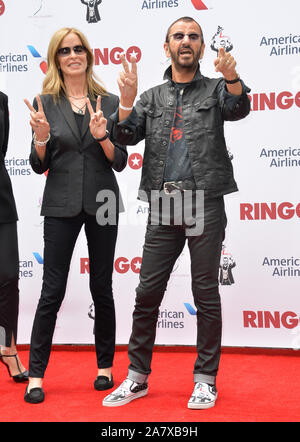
(54, 83)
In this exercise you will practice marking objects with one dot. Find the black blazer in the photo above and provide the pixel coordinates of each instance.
(8, 212)
(77, 166)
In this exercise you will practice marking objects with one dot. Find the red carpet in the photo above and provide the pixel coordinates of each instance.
(254, 386)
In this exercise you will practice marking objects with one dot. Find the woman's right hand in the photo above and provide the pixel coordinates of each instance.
(38, 120)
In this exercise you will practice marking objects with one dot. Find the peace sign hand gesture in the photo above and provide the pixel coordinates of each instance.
(38, 120)
(128, 82)
(98, 122)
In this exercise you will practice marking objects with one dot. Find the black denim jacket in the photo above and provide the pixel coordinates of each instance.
(206, 105)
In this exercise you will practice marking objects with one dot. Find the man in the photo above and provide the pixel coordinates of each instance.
(226, 276)
(92, 13)
(181, 119)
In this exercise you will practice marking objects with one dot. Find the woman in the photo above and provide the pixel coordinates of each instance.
(9, 260)
(72, 141)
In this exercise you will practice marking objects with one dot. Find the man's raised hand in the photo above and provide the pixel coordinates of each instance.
(225, 63)
(128, 82)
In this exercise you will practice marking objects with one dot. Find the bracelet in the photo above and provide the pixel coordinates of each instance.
(41, 143)
(232, 81)
(125, 108)
(103, 138)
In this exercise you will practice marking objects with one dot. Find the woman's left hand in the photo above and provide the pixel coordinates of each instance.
(98, 122)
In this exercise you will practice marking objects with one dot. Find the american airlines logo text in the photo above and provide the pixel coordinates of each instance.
(271, 101)
(26, 267)
(157, 4)
(283, 267)
(106, 55)
(266, 319)
(283, 45)
(263, 211)
(121, 265)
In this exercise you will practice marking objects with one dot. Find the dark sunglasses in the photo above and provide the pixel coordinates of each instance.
(78, 50)
(178, 36)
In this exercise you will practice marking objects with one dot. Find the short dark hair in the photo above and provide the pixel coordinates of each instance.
(187, 20)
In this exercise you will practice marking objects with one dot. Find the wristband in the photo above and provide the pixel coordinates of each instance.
(125, 108)
(103, 138)
(41, 143)
(236, 80)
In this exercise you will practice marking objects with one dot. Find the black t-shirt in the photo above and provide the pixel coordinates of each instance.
(79, 120)
(178, 165)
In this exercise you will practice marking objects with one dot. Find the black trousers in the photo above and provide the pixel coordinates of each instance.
(60, 235)
(9, 283)
(163, 245)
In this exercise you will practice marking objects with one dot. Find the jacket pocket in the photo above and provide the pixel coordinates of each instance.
(153, 112)
(208, 113)
(56, 189)
(153, 121)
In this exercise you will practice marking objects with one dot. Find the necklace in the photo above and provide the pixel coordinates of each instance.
(77, 98)
(80, 109)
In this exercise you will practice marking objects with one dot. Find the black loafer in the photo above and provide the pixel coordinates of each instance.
(34, 396)
(103, 383)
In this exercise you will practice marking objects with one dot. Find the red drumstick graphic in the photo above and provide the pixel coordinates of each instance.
(198, 4)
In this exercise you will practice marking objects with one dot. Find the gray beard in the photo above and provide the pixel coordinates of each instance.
(188, 68)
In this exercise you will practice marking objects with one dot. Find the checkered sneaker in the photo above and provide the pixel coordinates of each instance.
(126, 392)
(204, 396)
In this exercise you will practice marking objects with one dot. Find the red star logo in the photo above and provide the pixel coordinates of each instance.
(136, 264)
(2, 7)
(135, 161)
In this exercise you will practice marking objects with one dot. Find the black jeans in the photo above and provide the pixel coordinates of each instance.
(163, 245)
(9, 283)
(60, 235)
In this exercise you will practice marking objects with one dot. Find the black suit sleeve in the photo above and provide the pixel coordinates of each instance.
(6, 125)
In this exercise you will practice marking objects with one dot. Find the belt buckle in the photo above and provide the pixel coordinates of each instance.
(169, 186)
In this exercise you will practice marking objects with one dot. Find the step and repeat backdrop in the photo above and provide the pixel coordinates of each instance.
(260, 265)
